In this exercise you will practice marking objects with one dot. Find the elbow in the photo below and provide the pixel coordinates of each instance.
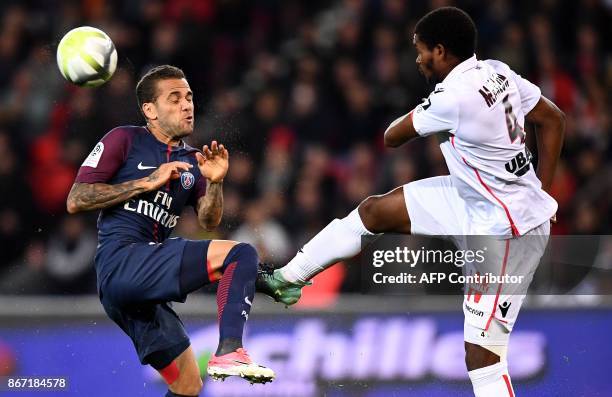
(562, 119)
(71, 206)
(389, 140)
(208, 227)
(560, 124)
(210, 224)
(562, 116)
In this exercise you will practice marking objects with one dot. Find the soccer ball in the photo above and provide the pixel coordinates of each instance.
(86, 56)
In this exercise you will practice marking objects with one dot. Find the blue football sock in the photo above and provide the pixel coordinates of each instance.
(235, 295)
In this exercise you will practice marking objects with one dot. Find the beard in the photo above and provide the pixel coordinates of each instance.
(176, 131)
(180, 134)
(431, 78)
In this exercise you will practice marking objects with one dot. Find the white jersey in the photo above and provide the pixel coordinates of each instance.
(480, 108)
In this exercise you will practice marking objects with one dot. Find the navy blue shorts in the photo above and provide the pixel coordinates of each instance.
(137, 283)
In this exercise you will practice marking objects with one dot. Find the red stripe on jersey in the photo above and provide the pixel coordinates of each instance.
(515, 231)
(503, 272)
(223, 289)
(155, 231)
(508, 385)
(169, 149)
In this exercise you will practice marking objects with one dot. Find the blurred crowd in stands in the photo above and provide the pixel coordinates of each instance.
(299, 91)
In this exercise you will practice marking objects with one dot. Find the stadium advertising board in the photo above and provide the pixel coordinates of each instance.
(333, 355)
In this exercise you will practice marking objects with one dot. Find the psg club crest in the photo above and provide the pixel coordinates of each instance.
(187, 180)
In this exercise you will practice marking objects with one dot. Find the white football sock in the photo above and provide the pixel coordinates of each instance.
(339, 240)
(492, 381)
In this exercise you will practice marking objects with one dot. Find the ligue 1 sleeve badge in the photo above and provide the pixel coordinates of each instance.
(187, 180)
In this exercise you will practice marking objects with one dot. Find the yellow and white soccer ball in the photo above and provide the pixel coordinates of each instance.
(86, 56)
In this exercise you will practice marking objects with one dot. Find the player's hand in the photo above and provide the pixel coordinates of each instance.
(213, 162)
(166, 172)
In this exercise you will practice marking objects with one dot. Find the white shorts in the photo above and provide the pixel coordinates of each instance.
(435, 209)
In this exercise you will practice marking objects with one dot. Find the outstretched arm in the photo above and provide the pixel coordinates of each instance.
(93, 196)
(400, 131)
(550, 129)
(437, 113)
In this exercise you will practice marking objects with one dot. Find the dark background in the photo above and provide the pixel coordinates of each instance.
(299, 91)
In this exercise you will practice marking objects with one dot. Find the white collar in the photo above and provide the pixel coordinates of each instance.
(460, 68)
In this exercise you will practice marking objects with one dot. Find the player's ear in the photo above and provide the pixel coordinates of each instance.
(149, 110)
(439, 51)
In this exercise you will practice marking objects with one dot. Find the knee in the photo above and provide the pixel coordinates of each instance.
(247, 250)
(477, 357)
(369, 213)
(245, 255)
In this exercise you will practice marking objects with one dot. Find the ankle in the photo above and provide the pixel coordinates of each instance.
(288, 274)
(228, 345)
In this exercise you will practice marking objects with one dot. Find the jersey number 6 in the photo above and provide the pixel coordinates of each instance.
(514, 129)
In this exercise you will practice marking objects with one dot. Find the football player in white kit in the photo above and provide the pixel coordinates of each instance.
(478, 109)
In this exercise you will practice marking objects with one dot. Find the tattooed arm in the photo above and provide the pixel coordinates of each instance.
(213, 163)
(93, 196)
(210, 206)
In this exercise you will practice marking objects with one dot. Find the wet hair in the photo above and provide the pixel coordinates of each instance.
(451, 27)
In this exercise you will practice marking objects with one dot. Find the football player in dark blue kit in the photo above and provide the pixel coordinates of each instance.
(141, 178)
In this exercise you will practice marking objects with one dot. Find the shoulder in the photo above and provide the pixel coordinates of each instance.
(438, 112)
(444, 97)
(526, 87)
(123, 134)
(497, 65)
(109, 153)
(190, 149)
(501, 68)
(190, 153)
(119, 140)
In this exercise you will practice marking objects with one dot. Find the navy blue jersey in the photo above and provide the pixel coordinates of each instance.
(128, 153)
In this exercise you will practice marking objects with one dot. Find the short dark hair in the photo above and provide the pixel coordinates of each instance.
(146, 89)
(451, 27)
